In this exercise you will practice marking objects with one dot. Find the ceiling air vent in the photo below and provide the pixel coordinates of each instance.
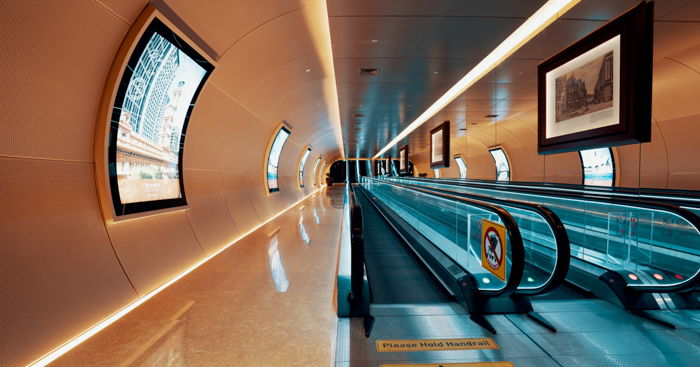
(369, 71)
(359, 115)
(491, 116)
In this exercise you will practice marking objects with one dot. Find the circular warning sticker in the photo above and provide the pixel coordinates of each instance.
(493, 248)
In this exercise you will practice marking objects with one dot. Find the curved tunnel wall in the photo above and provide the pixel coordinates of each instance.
(669, 161)
(62, 267)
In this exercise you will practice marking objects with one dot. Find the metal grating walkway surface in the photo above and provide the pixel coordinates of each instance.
(590, 333)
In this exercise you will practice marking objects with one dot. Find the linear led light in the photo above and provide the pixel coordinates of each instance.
(85, 335)
(543, 17)
(316, 17)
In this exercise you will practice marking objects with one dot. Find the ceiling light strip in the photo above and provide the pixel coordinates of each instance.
(543, 17)
(77, 340)
(318, 22)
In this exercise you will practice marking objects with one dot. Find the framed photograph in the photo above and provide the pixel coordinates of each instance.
(403, 159)
(379, 167)
(597, 92)
(440, 146)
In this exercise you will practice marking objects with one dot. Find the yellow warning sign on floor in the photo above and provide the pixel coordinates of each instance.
(471, 364)
(493, 248)
(435, 344)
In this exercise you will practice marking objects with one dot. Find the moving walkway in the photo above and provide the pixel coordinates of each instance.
(646, 253)
(445, 232)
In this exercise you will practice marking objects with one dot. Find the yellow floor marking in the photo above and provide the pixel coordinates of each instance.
(413, 345)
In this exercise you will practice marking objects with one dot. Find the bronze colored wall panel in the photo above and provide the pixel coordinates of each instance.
(48, 94)
(58, 273)
(156, 248)
(208, 213)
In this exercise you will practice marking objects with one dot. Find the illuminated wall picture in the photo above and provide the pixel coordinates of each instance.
(273, 158)
(379, 167)
(440, 146)
(462, 166)
(302, 163)
(320, 172)
(436, 172)
(154, 100)
(597, 92)
(502, 165)
(403, 159)
(315, 170)
(598, 167)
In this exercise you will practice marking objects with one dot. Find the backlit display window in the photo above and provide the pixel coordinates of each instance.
(154, 100)
(502, 166)
(273, 159)
(315, 170)
(598, 167)
(302, 162)
(462, 167)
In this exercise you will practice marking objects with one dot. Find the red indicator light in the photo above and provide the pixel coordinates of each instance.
(632, 276)
(658, 276)
(678, 276)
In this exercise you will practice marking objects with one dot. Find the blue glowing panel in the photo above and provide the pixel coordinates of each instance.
(301, 167)
(502, 166)
(598, 167)
(316, 170)
(462, 167)
(273, 159)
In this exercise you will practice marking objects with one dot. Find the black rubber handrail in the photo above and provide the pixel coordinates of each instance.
(561, 238)
(357, 248)
(516, 241)
(676, 197)
(690, 283)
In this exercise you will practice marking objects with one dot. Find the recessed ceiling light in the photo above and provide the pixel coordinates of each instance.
(369, 71)
(436, 72)
(374, 40)
(308, 70)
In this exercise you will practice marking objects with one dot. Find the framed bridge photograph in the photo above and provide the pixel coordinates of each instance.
(597, 92)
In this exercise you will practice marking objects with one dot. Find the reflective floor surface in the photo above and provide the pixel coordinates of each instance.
(591, 332)
(268, 300)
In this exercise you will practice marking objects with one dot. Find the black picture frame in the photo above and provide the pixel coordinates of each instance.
(629, 119)
(437, 161)
(156, 26)
(403, 159)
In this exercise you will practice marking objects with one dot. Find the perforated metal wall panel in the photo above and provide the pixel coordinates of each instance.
(58, 273)
(208, 213)
(154, 249)
(55, 58)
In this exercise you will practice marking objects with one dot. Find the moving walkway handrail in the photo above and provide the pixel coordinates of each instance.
(689, 283)
(561, 238)
(675, 197)
(357, 257)
(517, 247)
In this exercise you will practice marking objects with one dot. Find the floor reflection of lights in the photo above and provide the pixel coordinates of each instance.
(302, 230)
(279, 276)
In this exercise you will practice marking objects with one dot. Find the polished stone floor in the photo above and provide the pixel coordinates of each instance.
(268, 300)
